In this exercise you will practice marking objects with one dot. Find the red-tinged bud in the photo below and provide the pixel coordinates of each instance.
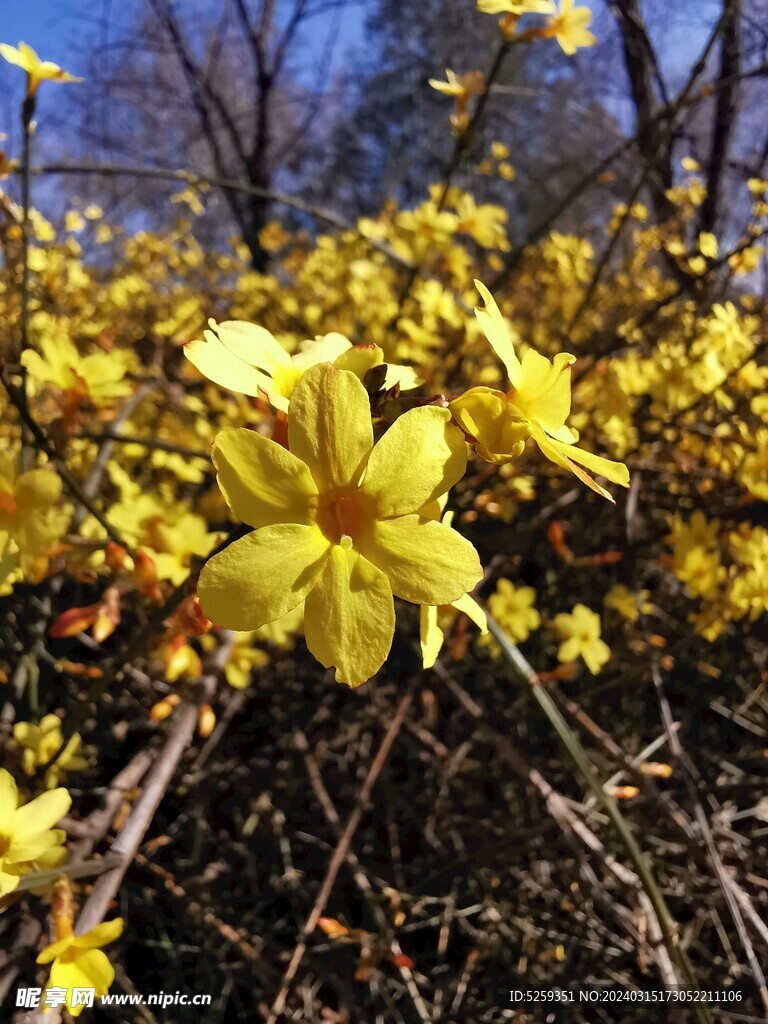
(656, 770)
(74, 621)
(108, 618)
(561, 674)
(189, 619)
(556, 537)
(605, 558)
(180, 660)
(115, 557)
(331, 927)
(401, 960)
(622, 792)
(164, 707)
(145, 577)
(76, 668)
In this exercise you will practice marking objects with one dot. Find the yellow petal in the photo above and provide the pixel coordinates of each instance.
(498, 334)
(28, 735)
(405, 377)
(430, 635)
(329, 425)
(473, 611)
(567, 456)
(13, 56)
(41, 813)
(261, 481)
(101, 935)
(9, 795)
(254, 345)
(263, 576)
(360, 359)
(350, 617)
(88, 969)
(420, 457)
(544, 393)
(31, 847)
(39, 488)
(218, 364)
(326, 349)
(426, 562)
(50, 952)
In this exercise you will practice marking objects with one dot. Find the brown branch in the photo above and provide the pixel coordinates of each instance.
(339, 856)
(725, 113)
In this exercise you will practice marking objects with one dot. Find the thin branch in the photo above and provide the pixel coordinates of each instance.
(339, 856)
(226, 185)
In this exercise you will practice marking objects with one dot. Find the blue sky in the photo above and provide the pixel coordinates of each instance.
(47, 25)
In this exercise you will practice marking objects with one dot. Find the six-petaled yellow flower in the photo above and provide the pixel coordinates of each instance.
(536, 406)
(28, 839)
(336, 523)
(41, 742)
(580, 636)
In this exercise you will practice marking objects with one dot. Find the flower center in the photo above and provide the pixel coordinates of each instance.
(5, 842)
(341, 517)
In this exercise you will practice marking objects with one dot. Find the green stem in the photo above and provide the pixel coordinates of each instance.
(581, 759)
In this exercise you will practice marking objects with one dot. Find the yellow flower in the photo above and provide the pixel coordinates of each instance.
(40, 743)
(568, 25)
(517, 7)
(708, 245)
(627, 603)
(248, 359)
(485, 223)
(537, 406)
(77, 961)
(747, 260)
(27, 836)
(580, 633)
(336, 523)
(513, 608)
(99, 376)
(244, 657)
(37, 70)
(27, 510)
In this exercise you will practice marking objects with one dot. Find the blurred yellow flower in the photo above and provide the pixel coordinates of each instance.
(513, 608)
(40, 743)
(537, 406)
(98, 376)
(27, 836)
(580, 635)
(28, 511)
(336, 522)
(569, 26)
(37, 70)
(627, 603)
(517, 7)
